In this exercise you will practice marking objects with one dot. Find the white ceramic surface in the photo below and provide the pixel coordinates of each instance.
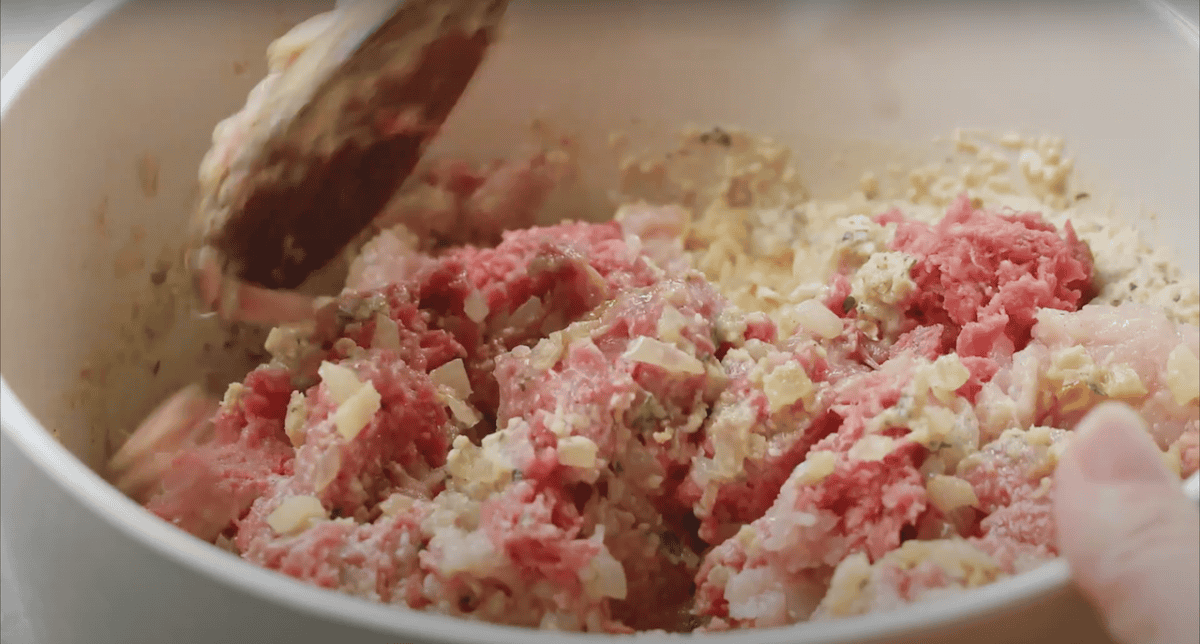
(82, 228)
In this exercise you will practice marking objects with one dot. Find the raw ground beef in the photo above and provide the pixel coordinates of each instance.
(983, 277)
(705, 415)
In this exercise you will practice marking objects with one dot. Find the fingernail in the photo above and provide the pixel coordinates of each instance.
(1113, 445)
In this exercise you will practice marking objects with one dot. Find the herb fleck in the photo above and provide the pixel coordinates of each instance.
(718, 136)
(468, 603)
(671, 543)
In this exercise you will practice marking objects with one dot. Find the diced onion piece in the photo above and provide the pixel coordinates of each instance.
(577, 451)
(295, 514)
(659, 353)
(872, 447)
(326, 468)
(395, 504)
(850, 584)
(934, 428)
(949, 493)
(297, 416)
(341, 382)
(1183, 375)
(671, 324)
(289, 341)
(358, 410)
(816, 466)
(1122, 381)
(547, 352)
(476, 307)
(463, 412)
(453, 375)
(816, 317)
(233, 395)
(387, 333)
(1067, 364)
(526, 314)
(595, 278)
(949, 375)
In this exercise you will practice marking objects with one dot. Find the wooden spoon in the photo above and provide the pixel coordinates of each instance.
(353, 99)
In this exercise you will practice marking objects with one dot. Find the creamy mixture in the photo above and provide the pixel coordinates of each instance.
(732, 406)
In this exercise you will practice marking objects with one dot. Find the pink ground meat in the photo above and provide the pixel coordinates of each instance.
(557, 274)
(401, 447)
(1012, 482)
(984, 276)
(378, 560)
(620, 405)
(208, 487)
(648, 457)
(862, 505)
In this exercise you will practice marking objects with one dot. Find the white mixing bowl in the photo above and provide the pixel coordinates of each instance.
(105, 122)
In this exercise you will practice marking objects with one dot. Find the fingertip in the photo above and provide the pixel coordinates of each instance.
(1113, 444)
(1127, 530)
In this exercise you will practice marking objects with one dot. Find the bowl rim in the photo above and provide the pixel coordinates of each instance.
(103, 500)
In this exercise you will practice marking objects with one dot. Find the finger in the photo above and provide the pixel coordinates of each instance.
(1130, 535)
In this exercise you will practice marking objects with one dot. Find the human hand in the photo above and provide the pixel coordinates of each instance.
(1130, 534)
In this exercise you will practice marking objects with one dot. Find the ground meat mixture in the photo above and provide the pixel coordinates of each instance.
(734, 405)
(677, 420)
